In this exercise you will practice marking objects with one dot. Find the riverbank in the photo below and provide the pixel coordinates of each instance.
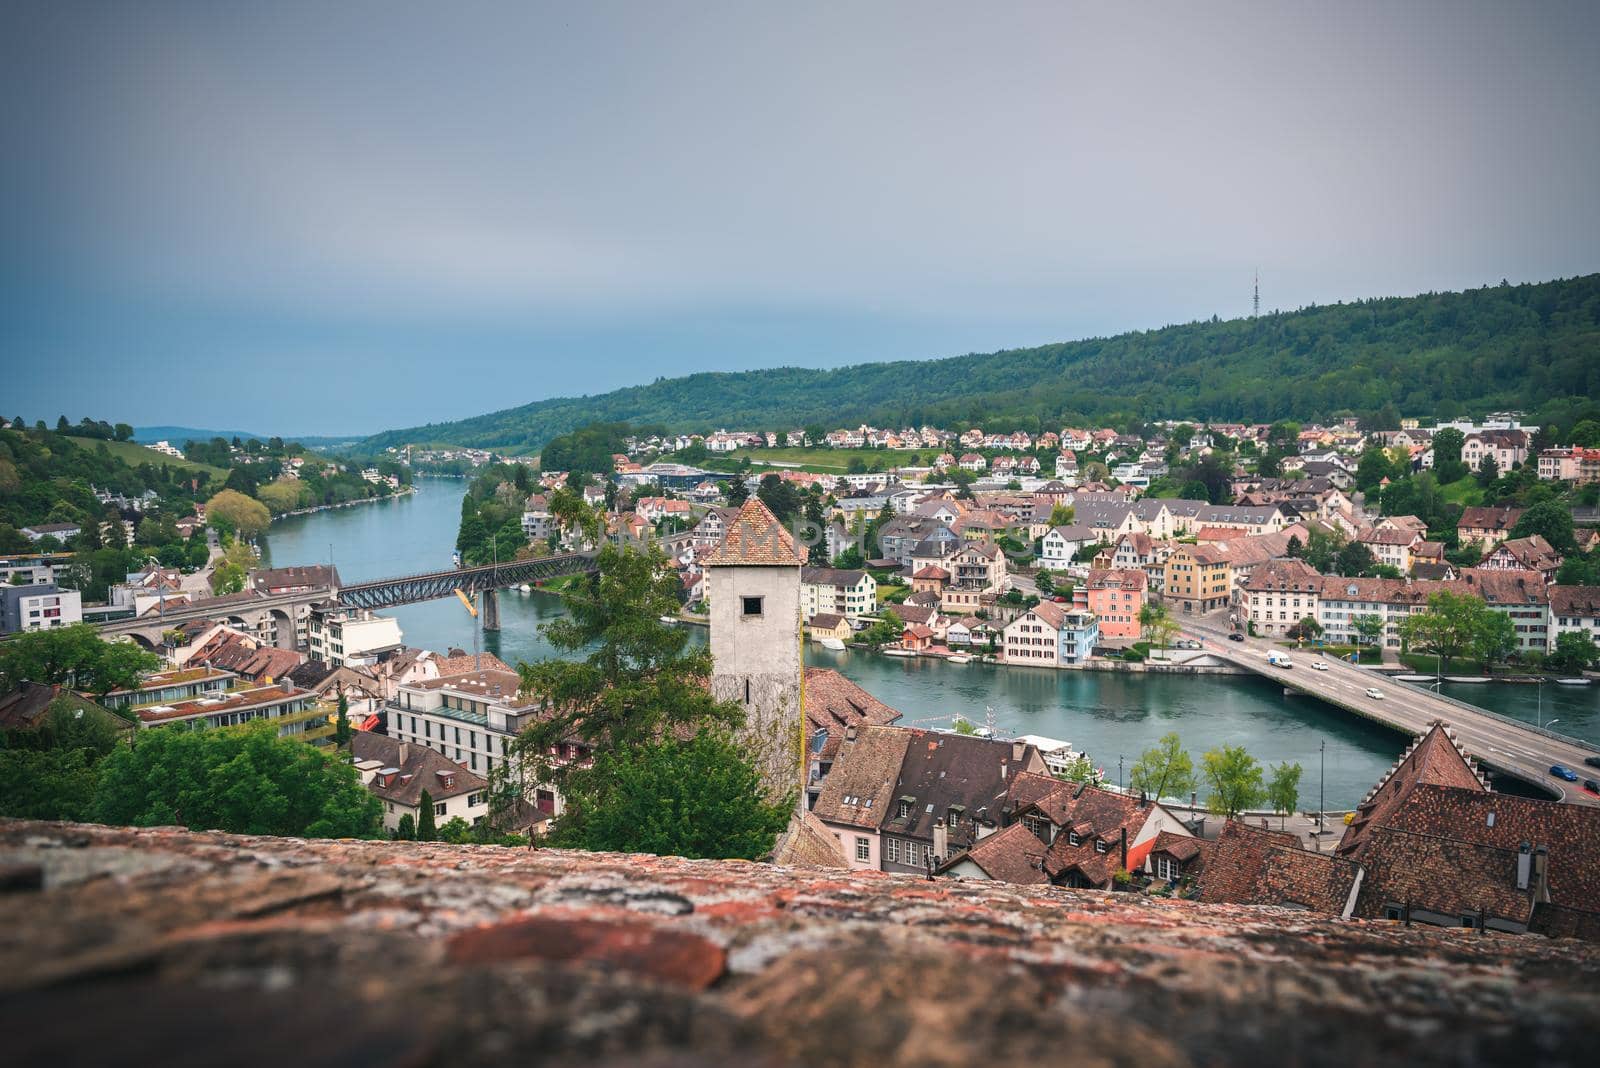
(404, 491)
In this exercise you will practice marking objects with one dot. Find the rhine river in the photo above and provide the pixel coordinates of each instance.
(1106, 715)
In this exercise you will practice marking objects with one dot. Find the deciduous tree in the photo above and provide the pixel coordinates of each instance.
(1234, 778)
(1165, 770)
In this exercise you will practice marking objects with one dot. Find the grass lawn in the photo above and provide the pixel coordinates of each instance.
(1428, 664)
(134, 455)
(1463, 491)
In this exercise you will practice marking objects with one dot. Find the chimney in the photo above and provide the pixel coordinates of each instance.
(1541, 875)
(941, 840)
(1018, 749)
(1124, 836)
(405, 751)
(1524, 866)
(850, 733)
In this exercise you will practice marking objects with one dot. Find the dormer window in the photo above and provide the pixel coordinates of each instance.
(1073, 839)
(1099, 845)
(953, 816)
(903, 811)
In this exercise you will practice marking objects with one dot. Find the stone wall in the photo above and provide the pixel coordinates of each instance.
(165, 947)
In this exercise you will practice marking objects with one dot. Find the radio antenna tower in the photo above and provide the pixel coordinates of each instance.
(1255, 303)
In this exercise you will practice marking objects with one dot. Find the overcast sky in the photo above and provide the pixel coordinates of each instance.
(343, 217)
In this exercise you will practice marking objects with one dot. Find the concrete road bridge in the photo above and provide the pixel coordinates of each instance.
(1505, 745)
(276, 618)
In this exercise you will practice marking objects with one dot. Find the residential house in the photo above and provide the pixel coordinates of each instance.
(62, 532)
(1034, 638)
(1115, 597)
(351, 635)
(398, 773)
(472, 717)
(168, 687)
(930, 578)
(1071, 834)
(1532, 553)
(850, 593)
(1574, 609)
(978, 567)
(42, 606)
(859, 788)
(1199, 578)
(949, 795)
(1488, 525)
(1391, 546)
(293, 710)
(1060, 545)
(828, 625)
(1279, 594)
(1520, 595)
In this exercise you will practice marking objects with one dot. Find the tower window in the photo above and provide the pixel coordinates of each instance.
(746, 691)
(752, 606)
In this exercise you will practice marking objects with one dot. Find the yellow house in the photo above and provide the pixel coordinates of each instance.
(827, 625)
(1199, 578)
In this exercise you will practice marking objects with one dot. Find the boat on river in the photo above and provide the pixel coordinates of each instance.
(959, 658)
(899, 652)
(1573, 682)
(835, 644)
(669, 620)
(1466, 678)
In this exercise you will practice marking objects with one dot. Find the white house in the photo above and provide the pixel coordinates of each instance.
(398, 773)
(1060, 544)
(837, 591)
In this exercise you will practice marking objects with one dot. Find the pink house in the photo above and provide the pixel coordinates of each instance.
(1115, 597)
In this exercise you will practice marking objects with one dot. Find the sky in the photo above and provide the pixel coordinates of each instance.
(338, 218)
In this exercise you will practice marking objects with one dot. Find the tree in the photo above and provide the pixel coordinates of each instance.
(76, 656)
(341, 726)
(1165, 770)
(1494, 638)
(1447, 464)
(1234, 779)
(1586, 434)
(1373, 468)
(888, 628)
(699, 798)
(624, 679)
(1550, 520)
(406, 829)
(426, 831)
(1448, 628)
(737, 492)
(1283, 790)
(1307, 627)
(1157, 625)
(780, 497)
(1369, 628)
(1354, 559)
(1062, 515)
(1080, 770)
(245, 780)
(1488, 471)
(1575, 650)
(245, 515)
(963, 725)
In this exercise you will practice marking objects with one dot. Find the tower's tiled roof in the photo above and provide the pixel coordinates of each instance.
(755, 538)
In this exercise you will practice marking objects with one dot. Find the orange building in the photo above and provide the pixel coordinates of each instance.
(1115, 596)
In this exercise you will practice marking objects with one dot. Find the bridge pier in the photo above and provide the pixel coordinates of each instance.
(489, 609)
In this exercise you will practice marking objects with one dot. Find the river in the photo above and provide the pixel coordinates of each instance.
(1107, 715)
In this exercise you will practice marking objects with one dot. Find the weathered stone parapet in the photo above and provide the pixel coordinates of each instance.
(164, 946)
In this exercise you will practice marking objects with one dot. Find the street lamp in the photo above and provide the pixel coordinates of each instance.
(1322, 778)
(1119, 771)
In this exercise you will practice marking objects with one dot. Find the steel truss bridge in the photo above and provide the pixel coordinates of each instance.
(410, 589)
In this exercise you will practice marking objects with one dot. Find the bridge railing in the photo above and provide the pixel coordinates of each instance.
(1555, 736)
(433, 576)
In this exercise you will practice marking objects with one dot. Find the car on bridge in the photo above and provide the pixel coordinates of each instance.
(1561, 771)
(1593, 762)
(1236, 637)
(1590, 786)
(1318, 665)
(1374, 693)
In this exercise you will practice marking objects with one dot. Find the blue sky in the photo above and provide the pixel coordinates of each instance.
(332, 218)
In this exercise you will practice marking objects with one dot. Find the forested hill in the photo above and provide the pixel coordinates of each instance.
(1523, 346)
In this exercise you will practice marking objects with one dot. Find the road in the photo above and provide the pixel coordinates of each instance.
(1499, 743)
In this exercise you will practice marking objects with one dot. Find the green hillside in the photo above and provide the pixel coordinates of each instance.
(133, 455)
(1526, 346)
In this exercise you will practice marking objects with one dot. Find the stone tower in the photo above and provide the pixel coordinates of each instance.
(753, 581)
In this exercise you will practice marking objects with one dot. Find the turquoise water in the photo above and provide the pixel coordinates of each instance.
(1106, 715)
